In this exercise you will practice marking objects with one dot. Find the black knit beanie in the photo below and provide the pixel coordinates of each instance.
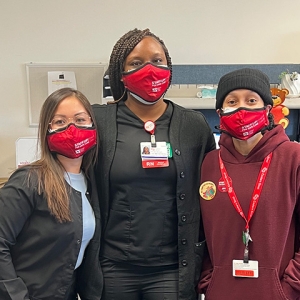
(250, 79)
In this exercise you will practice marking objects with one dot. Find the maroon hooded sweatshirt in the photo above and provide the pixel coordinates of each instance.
(274, 227)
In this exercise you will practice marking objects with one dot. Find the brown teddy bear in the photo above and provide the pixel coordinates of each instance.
(280, 111)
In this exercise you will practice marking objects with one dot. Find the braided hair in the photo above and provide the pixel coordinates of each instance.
(118, 56)
(271, 121)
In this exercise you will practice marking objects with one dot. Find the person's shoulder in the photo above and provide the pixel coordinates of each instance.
(21, 171)
(289, 151)
(97, 106)
(211, 160)
(212, 154)
(291, 147)
(190, 112)
(103, 109)
(20, 176)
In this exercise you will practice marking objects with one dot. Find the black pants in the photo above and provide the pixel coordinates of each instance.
(130, 282)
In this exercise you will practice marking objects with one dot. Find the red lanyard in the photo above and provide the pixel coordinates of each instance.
(255, 195)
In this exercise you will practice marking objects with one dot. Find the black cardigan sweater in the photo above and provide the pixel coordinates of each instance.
(191, 138)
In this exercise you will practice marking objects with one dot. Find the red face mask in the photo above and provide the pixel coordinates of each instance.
(243, 123)
(72, 142)
(147, 83)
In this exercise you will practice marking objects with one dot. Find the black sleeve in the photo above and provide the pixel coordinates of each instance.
(16, 206)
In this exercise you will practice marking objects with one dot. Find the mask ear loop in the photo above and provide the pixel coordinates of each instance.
(118, 100)
(222, 131)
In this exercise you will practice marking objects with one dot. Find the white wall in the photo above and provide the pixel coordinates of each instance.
(195, 31)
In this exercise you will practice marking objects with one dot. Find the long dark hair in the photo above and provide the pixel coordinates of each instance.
(49, 170)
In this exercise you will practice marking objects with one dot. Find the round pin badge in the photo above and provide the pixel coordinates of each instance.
(149, 126)
(207, 190)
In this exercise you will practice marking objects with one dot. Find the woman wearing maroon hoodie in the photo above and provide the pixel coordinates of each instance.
(249, 197)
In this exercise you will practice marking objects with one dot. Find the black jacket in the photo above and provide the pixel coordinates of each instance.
(191, 138)
(37, 253)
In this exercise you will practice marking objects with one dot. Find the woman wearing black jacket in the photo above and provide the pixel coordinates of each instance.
(49, 211)
(149, 202)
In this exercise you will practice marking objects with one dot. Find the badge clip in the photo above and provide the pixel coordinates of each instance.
(149, 126)
(153, 142)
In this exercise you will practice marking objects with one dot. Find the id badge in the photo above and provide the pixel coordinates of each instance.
(241, 269)
(154, 157)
